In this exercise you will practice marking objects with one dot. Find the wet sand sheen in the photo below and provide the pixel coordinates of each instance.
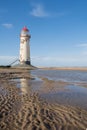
(20, 110)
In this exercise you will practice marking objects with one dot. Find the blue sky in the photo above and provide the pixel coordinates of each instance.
(58, 31)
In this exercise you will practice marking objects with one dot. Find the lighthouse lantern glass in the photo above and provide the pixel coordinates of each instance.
(24, 32)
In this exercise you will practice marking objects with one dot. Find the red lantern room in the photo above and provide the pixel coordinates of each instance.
(25, 32)
(25, 29)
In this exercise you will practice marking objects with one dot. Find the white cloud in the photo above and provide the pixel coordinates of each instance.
(84, 53)
(38, 11)
(6, 60)
(57, 59)
(7, 25)
(49, 61)
(7, 57)
(60, 61)
(82, 45)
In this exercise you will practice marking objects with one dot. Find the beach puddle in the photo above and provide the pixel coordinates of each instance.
(63, 75)
(73, 96)
(64, 86)
(27, 85)
(55, 91)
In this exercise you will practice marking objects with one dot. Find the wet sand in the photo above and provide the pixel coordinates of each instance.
(20, 110)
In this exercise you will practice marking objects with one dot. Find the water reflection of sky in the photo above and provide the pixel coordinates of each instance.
(76, 96)
(72, 94)
(70, 76)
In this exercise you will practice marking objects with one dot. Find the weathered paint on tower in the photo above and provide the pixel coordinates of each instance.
(25, 46)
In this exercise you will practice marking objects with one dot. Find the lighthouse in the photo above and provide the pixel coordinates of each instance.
(24, 57)
(25, 47)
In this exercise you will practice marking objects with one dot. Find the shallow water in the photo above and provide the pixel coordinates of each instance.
(73, 94)
(64, 75)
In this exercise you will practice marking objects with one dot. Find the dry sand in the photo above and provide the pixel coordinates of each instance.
(64, 68)
(28, 111)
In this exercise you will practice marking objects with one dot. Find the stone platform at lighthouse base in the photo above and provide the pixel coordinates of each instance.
(24, 66)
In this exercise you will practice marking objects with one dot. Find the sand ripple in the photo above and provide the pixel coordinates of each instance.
(30, 112)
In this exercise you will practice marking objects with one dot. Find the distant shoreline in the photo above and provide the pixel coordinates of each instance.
(64, 68)
(46, 68)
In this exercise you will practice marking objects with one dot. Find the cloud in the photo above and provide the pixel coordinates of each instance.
(82, 45)
(84, 53)
(59, 61)
(48, 60)
(38, 11)
(6, 60)
(7, 57)
(7, 25)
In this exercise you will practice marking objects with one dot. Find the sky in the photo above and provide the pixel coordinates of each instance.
(58, 31)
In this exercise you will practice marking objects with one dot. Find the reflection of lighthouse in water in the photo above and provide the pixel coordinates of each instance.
(24, 86)
(24, 46)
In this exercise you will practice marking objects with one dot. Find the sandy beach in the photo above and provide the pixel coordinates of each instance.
(21, 110)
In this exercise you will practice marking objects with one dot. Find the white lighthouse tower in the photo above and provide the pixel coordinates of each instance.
(25, 47)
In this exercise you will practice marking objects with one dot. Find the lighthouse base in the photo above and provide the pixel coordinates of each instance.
(28, 62)
(25, 63)
(24, 66)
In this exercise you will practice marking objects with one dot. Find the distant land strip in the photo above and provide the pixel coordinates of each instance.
(64, 68)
